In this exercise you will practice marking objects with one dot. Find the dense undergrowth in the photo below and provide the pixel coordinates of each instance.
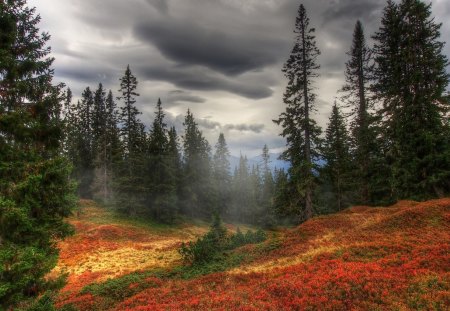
(393, 258)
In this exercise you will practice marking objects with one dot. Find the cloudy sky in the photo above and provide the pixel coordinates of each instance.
(220, 58)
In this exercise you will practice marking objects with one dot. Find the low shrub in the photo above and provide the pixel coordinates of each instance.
(208, 247)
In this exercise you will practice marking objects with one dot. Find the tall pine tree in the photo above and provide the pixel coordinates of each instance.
(299, 129)
(130, 186)
(411, 79)
(161, 173)
(222, 177)
(356, 97)
(198, 193)
(35, 190)
(336, 153)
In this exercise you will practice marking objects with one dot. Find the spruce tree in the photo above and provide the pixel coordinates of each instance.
(356, 97)
(84, 141)
(107, 145)
(281, 197)
(129, 185)
(129, 122)
(161, 174)
(222, 177)
(198, 193)
(336, 153)
(299, 129)
(36, 193)
(175, 165)
(267, 191)
(411, 79)
(242, 191)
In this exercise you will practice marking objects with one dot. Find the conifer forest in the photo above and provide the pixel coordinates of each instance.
(225, 155)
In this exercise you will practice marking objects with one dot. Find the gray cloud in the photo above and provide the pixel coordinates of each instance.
(191, 44)
(197, 78)
(178, 96)
(348, 10)
(256, 128)
(161, 5)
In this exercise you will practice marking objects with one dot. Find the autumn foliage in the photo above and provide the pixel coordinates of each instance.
(386, 258)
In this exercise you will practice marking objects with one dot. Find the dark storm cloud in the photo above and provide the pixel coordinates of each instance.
(183, 96)
(230, 54)
(351, 10)
(87, 75)
(197, 78)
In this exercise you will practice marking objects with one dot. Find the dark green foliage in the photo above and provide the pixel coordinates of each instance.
(206, 247)
(129, 186)
(338, 168)
(215, 242)
(107, 146)
(358, 98)
(197, 189)
(119, 288)
(222, 177)
(299, 129)
(83, 153)
(250, 237)
(162, 165)
(411, 79)
(267, 217)
(130, 129)
(35, 190)
(242, 200)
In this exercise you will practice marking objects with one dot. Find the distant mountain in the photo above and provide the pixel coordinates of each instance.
(274, 162)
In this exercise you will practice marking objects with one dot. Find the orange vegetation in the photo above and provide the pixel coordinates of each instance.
(392, 258)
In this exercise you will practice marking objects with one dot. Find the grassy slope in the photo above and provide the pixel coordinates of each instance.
(395, 258)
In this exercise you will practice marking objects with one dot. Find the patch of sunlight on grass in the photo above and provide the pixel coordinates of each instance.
(313, 251)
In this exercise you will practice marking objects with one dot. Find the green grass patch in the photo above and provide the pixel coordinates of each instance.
(122, 287)
(220, 263)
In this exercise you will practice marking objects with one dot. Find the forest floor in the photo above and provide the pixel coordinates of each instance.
(364, 258)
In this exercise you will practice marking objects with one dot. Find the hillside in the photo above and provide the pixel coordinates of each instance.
(387, 258)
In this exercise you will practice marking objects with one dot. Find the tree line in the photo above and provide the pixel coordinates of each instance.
(389, 138)
(157, 173)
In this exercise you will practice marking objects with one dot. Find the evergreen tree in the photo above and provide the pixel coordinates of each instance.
(130, 128)
(242, 191)
(299, 129)
(281, 197)
(336, 152)
(267, 191)
(107, 144)
(174, 157)
(411, 79)
(35, 190)
(162, 179)
(253, 211)
(84, 141)
(356, 97)
(130, 186)
(222, 178)
(197, 189)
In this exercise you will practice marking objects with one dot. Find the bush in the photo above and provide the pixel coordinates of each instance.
(208, 247)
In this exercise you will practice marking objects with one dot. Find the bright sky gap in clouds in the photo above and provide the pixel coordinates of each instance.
(221, 58)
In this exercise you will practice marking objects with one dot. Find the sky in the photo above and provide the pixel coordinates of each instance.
(220, 58)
